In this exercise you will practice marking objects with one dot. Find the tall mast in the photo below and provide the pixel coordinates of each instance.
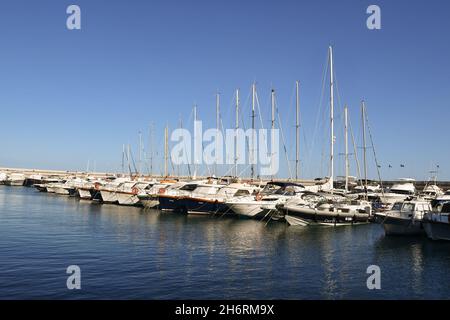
(195, 119)
(123, 158)
(166, 151)
(346, 147)
(151, 149)
(363, 114)
(297, 127)
(218, 128)
(273, 121)
(129, 160)
(237, 131)
(331, 117)
(252, 169)
(140, 154)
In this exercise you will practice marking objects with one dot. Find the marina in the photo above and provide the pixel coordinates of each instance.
(172, 256)
(293, 150)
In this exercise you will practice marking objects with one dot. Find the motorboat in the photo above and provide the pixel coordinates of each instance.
(399, 191)
(431, 192)
(319, 209)
(204, 201)
(127, 193)
(3, 178)
(404, 218)
(108, 191)
(149, 197)
(437, 223)
(15, 180)
(264, 203)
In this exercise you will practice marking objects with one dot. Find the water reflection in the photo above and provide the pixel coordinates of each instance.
(153, 254)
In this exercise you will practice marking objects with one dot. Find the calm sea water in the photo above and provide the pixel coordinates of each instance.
(130, 253)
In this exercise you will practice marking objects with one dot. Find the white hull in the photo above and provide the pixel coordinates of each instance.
(127, 199)
(51, 189)
(61, 191)
(247, 209)
(109, 196)
(15, 183)
(84, 194)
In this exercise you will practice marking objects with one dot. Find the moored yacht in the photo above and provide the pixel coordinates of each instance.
(263, 203)
(316, 209)
(3, 178)
(399, 191)
(212, 202)
(149, 197)
(431, 192)
(405, 217)
(437, 223)
(108, 192)
(127, 193)
(15, 179)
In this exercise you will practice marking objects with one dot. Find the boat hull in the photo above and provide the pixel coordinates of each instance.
(401, 226)
(437, 230)
(85, 194)
(307, 216)
(127, 199)
(109, 196)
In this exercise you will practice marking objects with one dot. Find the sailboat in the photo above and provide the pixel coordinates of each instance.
(305, 210)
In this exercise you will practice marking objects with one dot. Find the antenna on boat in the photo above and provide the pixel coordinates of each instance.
(252, 149)
(331, 118)
(297, 127)
(236, 136)
(347, 167)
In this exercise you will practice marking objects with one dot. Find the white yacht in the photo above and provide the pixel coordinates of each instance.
(264, 202)
(3, 178)
(437, 223)
(15, 179)
(431, 192)
(400, 191)
(405, 217)
(149, 197)
(321, 209)
(108, 192)
(127, 193)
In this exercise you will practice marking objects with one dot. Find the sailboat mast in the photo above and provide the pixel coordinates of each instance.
(166, 151)
(297, 127)
(123, 158)
(218, 128)
(363, 115)
(195, 120)
(273, 121)
(346, 147)
(331, 117)
(237, 132)
(252, 169)
(140, 154)
(151, 149)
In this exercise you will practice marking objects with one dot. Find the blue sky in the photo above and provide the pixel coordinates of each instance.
(67, 97)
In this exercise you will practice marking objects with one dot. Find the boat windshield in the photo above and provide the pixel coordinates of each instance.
(397, 206)
(400, 191)
(408, 207)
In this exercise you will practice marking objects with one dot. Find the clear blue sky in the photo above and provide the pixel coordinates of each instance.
(67, 97)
